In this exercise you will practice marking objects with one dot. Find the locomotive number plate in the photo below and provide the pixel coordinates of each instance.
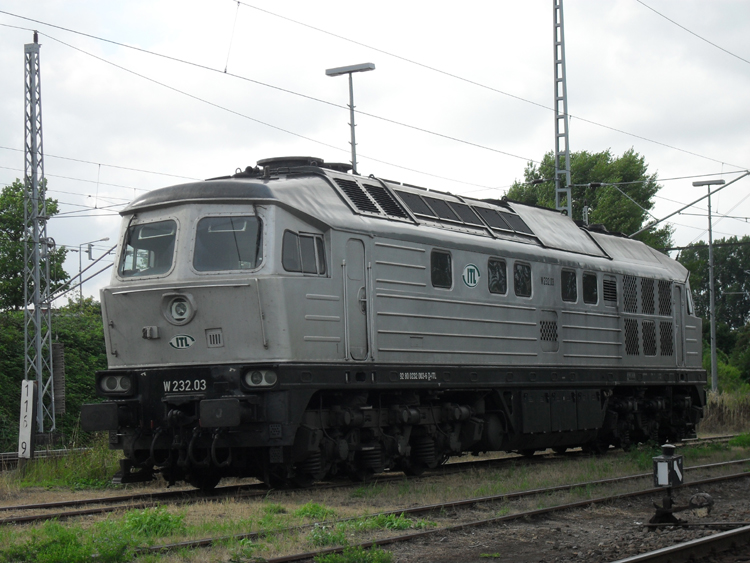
(184, 385)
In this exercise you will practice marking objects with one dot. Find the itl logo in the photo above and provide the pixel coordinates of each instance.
(471, 275)
(182, 341)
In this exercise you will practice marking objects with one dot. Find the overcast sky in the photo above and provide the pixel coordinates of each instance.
(480, 72)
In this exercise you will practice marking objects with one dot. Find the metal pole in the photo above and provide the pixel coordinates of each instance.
(80, 267)
(351, 123)
(714, 365)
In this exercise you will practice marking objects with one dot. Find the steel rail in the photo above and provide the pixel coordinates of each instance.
(695, 549)
(208, 542)
(500, 519)
(236, 490)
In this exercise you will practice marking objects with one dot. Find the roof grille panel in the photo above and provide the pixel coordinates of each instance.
(357, 196)
(415, 203)
(442, 208)
(386, 201)
(516, 223)
(465, 212)
(492, 218)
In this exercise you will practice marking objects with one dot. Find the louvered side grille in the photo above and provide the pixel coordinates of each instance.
(610, 290)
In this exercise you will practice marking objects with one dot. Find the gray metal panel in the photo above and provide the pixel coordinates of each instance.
(635, 252)
(555, 230)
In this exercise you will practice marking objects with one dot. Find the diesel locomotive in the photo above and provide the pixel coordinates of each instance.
(294, 321)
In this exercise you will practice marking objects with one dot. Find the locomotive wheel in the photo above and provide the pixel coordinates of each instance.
(596, 447)
(204, 481)
(413, 468)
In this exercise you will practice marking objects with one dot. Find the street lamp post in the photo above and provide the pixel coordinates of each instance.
(80, 265)
(338, 71)
(712, 301)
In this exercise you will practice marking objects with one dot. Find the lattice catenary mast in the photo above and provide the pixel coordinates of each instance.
(36, 271)
(562, 174)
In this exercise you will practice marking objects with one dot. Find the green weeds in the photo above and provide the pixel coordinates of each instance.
(356, 555)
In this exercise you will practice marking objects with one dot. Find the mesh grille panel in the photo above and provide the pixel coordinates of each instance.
(357, 196)
(630, 288)
(386, 201)
(665, 298)
(548, 330)
(632, 347)
(649, 338)
(415, 203)
(647, 296)
(666, 331)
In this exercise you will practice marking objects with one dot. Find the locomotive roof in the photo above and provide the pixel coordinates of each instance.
(326, 193)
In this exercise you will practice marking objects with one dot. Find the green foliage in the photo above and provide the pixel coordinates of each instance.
(55, 543)
(12, 248)
(152, 522)
(274, 508)
(608, 206)
(314, 511)
(741, 441)
(244, 551)
(89, 469)
(385, 522)
(323, 536)
(732, 299)
(356, 555)
(643, 456)
(78, 325)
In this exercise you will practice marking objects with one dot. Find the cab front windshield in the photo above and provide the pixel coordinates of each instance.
(148, 249)
(228, 243)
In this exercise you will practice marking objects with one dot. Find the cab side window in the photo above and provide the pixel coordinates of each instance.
(590, 289)
(569, 286)
(522, 279)
(441, 269)
(498, 276)
(303, 253)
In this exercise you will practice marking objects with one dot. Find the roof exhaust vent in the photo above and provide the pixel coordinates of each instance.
(280, 162)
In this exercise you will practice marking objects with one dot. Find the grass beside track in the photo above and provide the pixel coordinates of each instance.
(115, 537)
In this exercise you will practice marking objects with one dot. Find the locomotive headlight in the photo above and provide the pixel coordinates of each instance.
(270, 377)
(180, 309)
(115, 384)
(260, 378)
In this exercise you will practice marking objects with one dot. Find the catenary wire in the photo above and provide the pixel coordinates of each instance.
(234, 112)
(47, 155)
(692, 32)
(292, 92)
(359, 111)
(479, 84)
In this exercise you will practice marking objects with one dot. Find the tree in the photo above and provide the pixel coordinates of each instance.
(608, 206)
(731, 282)
(78, 325)
(12, 248)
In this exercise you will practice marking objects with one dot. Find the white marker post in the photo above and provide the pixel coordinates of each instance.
(26, 431)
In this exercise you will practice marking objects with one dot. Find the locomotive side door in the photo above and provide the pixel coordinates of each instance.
(679, 324)
(355, 299)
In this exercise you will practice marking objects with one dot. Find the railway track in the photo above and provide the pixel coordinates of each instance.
(694, 550)
(182, 497)
(454, 505)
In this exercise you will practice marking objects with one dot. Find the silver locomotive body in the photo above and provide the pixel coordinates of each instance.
(294, 321)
